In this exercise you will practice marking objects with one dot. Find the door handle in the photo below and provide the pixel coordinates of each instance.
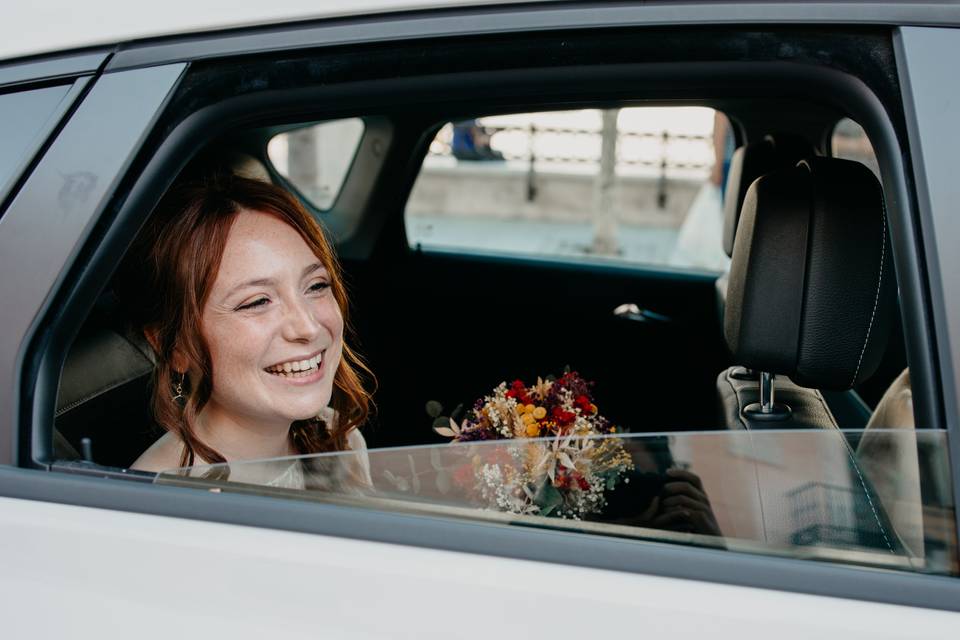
(631, 311)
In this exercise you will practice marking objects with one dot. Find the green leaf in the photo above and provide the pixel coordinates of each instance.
(441, 422)
(547, 498)
(434, 408)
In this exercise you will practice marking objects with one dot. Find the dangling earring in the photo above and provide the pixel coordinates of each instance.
(178, 390)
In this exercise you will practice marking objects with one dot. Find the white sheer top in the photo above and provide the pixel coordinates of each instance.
(292, 477)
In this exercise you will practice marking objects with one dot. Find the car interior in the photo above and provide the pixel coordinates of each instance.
(417, 353)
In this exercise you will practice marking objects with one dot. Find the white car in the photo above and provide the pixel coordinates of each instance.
(821, 492)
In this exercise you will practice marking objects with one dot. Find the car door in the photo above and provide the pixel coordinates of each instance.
(101, 551)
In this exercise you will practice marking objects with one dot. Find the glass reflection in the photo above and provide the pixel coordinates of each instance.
(800, 493)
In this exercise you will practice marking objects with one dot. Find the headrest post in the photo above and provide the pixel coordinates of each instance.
(766, 392)
(767, 408)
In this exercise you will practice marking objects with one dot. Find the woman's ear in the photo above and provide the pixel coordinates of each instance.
(180, 362)
(153, 337)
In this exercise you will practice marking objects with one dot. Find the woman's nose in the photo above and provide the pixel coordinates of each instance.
(300, 324)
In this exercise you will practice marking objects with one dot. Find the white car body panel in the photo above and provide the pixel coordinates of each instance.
(53, 25)
(89, 573)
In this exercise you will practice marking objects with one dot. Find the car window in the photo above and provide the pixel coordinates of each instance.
(850, 142)
(316, 158)
(23, 115)
(630, 186)
(797, 493)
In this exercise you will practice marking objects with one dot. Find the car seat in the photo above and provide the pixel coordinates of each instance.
(811, 294)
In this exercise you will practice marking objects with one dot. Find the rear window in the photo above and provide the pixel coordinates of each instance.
(635, 186)
(315, 159)
(850, 142)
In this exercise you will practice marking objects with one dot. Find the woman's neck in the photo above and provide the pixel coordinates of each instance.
(239, 439)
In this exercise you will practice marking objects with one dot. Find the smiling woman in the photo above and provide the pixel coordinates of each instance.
(240, 296)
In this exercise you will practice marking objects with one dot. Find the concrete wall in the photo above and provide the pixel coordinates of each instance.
(497, 190)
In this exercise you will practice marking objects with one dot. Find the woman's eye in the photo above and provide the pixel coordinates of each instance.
(319, 285)
(259, 302)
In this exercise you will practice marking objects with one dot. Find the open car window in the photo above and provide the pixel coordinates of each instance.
(808, 494)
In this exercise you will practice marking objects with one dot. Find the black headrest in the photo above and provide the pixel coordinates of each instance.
(812, 291)
(775, 151)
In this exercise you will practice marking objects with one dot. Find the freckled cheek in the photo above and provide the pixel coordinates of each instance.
(235, 347)
(327, 313)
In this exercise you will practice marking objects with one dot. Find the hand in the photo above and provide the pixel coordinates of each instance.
(682, 505)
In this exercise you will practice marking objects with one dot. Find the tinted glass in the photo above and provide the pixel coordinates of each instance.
(631, 186)
(800, 493)
(23, 120)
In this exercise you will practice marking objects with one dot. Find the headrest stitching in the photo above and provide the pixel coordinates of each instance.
(876, 298)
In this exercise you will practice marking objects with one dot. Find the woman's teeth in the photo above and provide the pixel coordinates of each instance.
(296, 368)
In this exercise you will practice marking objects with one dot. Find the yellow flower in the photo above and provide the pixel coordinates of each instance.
(539, 413)
(529, 408)
(527, 418)
(533, 429)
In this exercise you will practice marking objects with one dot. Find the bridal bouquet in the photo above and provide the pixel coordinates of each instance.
(554, 467)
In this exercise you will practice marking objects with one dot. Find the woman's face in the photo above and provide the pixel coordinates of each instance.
(273, 327)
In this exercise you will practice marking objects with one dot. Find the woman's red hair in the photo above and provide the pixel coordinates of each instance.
(167, 277)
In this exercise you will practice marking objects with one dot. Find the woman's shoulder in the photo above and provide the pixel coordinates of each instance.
(355, 440)
(161, 455)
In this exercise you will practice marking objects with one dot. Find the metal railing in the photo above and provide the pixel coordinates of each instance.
(663, 162)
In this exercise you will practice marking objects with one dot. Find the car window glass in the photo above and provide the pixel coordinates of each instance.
(22, 118)
(315, 159)
(850, 142)
(630, 186)
(798, 493)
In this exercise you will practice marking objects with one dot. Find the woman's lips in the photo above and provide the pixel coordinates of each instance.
(311, 370)
(294, 365)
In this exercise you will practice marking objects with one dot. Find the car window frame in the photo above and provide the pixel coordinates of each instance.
(139, 187)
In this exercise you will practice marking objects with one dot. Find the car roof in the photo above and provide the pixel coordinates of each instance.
(52, 26)
(60, 25)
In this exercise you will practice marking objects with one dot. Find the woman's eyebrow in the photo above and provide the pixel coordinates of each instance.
(259, 282)
(311, 268)
(266, 282)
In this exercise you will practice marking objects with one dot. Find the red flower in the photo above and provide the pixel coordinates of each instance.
(519, 391)
(563, 418)
(583, 403)
(581, 481)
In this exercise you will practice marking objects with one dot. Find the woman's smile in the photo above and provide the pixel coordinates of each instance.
(299, 370)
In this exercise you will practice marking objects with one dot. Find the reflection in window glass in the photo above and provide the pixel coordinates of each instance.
(633, 185)
(797, 493)
(316, 159)
(22, 118)
(850, 142)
